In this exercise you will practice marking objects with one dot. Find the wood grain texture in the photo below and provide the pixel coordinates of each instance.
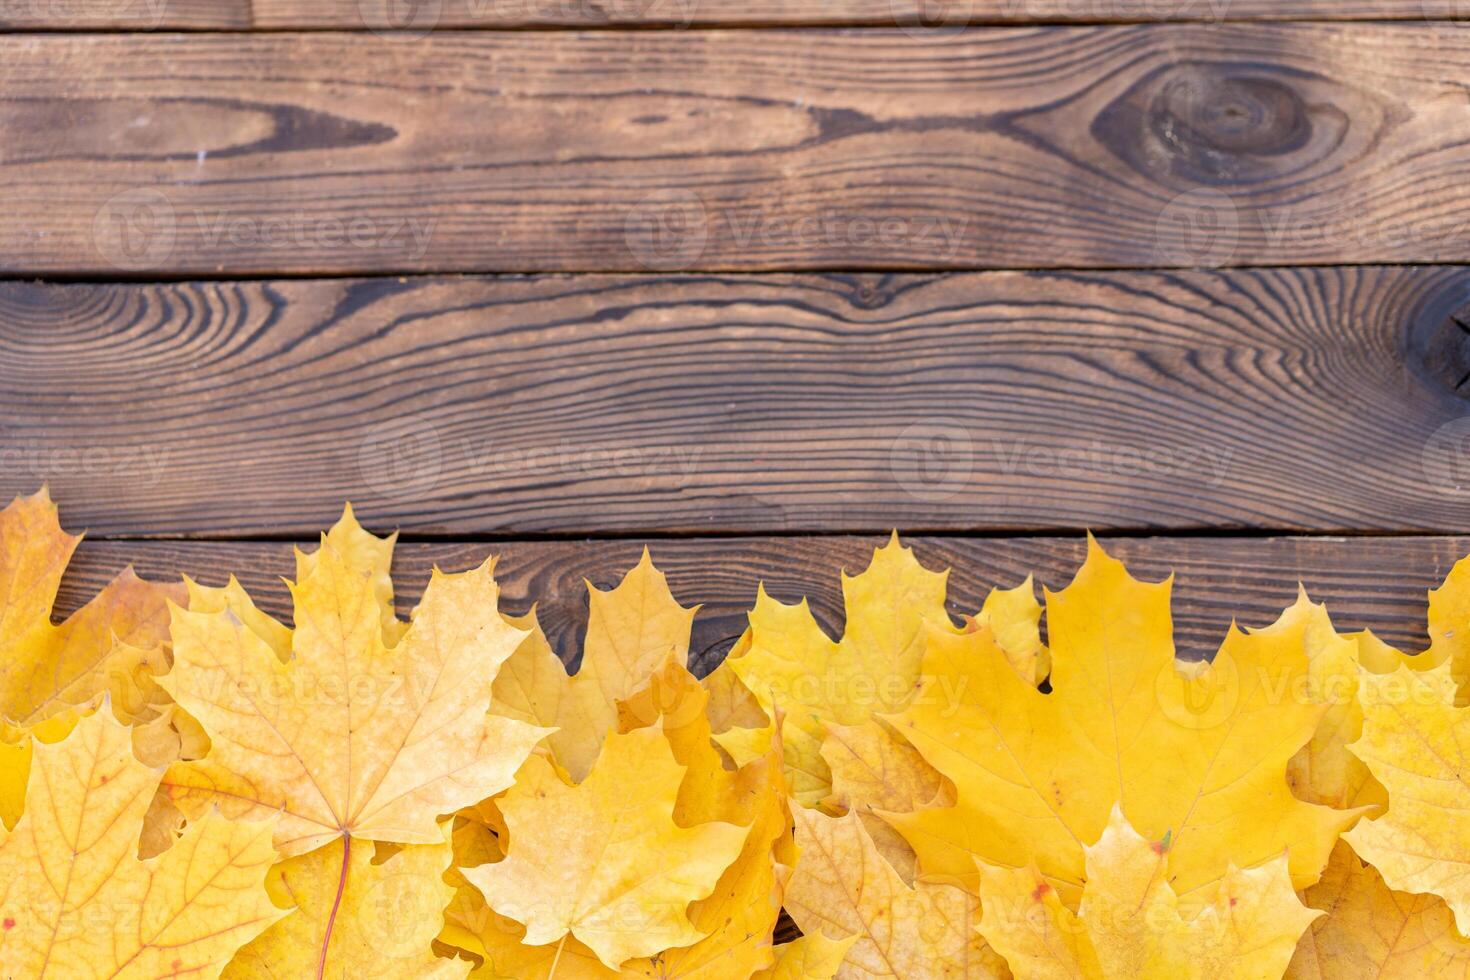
(1155, 145)
(413, 16)
(950, 15)
(124, 15)
(1376, 583)
(1307, 399)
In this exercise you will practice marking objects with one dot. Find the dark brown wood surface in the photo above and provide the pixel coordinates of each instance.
(1376, 583)
(414, 16)
(149, 155)
(935, 17)
(124, 15)
(1319, 399)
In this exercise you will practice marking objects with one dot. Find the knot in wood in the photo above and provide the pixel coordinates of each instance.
(1215, 124)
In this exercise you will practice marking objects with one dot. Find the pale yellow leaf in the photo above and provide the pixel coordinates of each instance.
(1369, 930)
(813, 957)
(843, 888)
(75, 900)
(1415, 742)
(377, 917)
(632, 631)
(1131, 924)
(604, 860)
(349, 736)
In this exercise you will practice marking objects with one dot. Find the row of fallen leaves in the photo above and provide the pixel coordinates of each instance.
(190, 787)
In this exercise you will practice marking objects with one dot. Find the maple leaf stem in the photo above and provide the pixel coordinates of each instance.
(321, 966)
(556, 960)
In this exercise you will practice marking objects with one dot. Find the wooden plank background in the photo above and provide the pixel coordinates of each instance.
(1319, 399)
(991, 272)
(1157, 145)
(414, 16)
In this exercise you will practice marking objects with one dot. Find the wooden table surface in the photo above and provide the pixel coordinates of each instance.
(751, 284)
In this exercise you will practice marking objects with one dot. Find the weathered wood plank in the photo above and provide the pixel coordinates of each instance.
(1375, 582)
(125, 15)
(1155, 145)
(1320, 399)
(424, 15)
(414, 16)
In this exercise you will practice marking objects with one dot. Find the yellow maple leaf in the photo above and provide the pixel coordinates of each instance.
(632, 631)
(1449, 627)
(792, 664)
(740, 915)
(874, 770)
(731, 705)
(113, 644)
(813, 957)
(367, 554)
(842, 888)
(1369, 930)
(786, 660)
(349, 737)
(1130, 923)
(377, 918)
(75, 901)
(604, 860)
(1187, 749)
(1414, 742)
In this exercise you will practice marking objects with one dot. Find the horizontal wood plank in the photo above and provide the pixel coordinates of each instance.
(124, 15)
(1156, 145)
(1367, 583)
(415, 16)
(1306, 399)
(916, 15)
